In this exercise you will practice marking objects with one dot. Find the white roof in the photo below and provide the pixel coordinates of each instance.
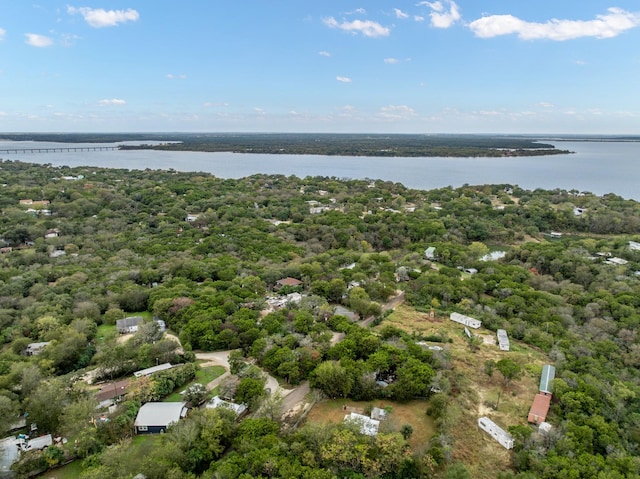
(217, 402)
(160, 413)
(367, 425)
(154, 369)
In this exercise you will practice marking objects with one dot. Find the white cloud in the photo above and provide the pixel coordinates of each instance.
(546, 104)
(609, 25)
(418, 18)
(36, 40)
(343, 79)
(324, 54)
(99, 17)
(397, 112)
(3, 32)
(214, 104)
(441, 16)
(394, 61)
(580, 62)
(367, 28)
(358, 11)
(171, 76)
(400, 14)
(113, 101)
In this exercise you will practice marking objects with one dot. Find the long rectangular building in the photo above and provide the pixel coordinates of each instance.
(503, 340)
(466, 320)
(499, 434)
(548, 375)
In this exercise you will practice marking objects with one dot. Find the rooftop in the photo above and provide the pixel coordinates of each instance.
(160, 413)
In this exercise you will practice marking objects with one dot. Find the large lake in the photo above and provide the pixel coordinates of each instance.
(598, 167)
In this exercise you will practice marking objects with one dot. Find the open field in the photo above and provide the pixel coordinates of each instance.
(474, 394)
(412, 412)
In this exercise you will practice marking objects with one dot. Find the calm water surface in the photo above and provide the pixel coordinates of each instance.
(598, 167)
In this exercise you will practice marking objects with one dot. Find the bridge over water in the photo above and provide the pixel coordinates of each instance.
(58, 149)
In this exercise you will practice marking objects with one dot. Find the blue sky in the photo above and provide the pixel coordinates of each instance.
(468, 66)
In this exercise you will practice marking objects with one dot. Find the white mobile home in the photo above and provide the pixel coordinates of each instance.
(503, 340)
(466, 320)
(496, 432)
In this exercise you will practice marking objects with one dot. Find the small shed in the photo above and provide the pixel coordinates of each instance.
(156, 417)
(378, 414)
(128, 325)
(367, 425)
(430, 252)
(496, 432)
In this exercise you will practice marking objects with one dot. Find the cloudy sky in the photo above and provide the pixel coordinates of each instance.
(491, 66)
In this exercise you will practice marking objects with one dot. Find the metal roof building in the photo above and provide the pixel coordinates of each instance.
(155, 417)
(503, 340)
(548, 375)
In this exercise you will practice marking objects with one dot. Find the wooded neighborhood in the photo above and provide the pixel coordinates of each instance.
(311, 317)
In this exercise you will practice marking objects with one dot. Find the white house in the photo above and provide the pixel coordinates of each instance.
(217, 402)
(430, 252)
(466, 320)
(367, 425)
(634, 246)
(496, 432)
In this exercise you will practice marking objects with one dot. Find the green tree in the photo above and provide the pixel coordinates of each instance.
(332, 379)
(509, 370)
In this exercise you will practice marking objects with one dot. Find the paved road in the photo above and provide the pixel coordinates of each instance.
(221, 358)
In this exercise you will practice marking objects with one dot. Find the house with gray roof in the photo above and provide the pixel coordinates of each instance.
(128, 325)
(156, 417)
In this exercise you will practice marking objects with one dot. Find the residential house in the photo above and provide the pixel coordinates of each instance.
(634, 246)
(33, 349)
(217, 402)
(291, 282)
(367, 425)
(342, 311)
(496, 432)
(616, 261)
(542, 401)
(54, 233)
(129, 324)
(156, 417)
(111, 392)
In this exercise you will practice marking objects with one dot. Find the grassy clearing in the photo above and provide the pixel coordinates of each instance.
(412, 412)
(203, 376)
(70, 471)
(473, 393)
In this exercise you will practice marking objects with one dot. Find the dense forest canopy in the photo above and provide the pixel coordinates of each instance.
(83, 247)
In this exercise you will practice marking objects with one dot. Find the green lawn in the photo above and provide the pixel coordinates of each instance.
(70, 471)
(203, 376)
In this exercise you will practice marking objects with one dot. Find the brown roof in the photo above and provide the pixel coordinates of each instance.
(112, 390)
(289, 282)
(539, 408)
